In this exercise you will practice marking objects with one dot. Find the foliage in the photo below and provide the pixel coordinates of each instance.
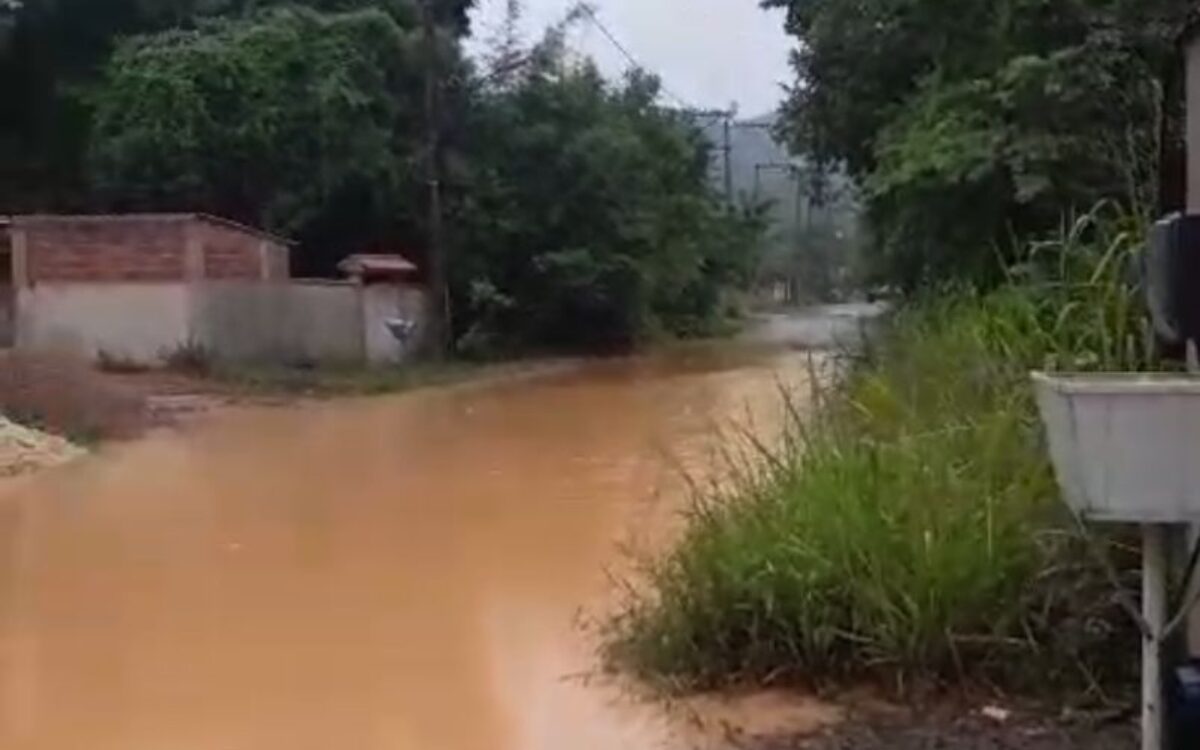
(817, 240)
(910, 528)
(973, 122)
(579, 210)
(53, 53)
(334, 381)
(589, 222)
(277, 120)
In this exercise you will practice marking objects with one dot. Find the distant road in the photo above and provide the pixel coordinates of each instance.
(818, 327)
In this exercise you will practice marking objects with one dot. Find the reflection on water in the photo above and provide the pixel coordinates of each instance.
(401, 573)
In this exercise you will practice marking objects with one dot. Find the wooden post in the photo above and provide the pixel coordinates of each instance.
(728, 149)
(439, 319)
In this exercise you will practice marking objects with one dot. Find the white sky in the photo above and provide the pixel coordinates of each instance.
(708, 52)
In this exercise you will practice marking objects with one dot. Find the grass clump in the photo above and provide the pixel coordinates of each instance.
(328, 380)
(910, 528)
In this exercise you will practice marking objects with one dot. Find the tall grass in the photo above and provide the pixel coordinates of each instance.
(911, 529)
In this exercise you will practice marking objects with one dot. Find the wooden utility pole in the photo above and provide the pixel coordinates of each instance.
(439, 321)
(728, 149)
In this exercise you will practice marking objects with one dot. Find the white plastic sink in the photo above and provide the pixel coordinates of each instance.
(1126, 448)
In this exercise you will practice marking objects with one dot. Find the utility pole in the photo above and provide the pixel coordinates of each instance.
(729, 157)
(726, 116)
(439, 321)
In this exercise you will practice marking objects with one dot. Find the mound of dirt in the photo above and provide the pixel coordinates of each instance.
(24, 450)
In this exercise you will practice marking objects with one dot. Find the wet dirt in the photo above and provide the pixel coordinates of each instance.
(402, 573)
(965, 730)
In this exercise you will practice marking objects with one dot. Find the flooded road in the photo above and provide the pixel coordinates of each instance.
(403, 573)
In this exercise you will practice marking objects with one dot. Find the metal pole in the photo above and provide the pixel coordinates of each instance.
(1154, 611)
(440, 318)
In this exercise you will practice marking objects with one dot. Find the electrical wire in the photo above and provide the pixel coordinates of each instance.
(590, 12)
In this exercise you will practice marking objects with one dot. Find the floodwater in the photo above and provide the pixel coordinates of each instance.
(406, 573)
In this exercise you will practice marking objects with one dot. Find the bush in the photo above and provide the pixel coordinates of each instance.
(591, 223)
(911, 528)
(190, 358)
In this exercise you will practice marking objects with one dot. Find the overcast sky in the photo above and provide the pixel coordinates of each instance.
(708, 52)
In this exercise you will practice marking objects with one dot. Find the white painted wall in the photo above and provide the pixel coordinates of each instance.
(138, 322)
(278, 322)
(236, 320)
(383, 302)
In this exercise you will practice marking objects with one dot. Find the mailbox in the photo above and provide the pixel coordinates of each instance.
(1126, 448)
(1171, 274)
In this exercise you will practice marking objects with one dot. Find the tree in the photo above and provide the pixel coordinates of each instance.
(589, 222)
(297, 121)
(53, 53)
(973, 122)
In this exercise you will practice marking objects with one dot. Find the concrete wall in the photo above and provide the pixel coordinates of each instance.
(137, 287)
(125, 320)
(133, 287)
(8, 301)
(279, 322)
(8, 292)
(384, 302)
(241, 321)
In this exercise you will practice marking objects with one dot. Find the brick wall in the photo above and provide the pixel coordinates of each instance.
(103, 249)
(230, 253)
(152, 248)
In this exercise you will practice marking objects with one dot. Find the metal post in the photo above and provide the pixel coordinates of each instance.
(1154, 612)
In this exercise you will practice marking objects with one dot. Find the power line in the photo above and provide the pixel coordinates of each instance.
(590, 12)
(726, 115)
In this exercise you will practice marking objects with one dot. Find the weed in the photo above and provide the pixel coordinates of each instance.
(119, 364)
(334, 380)
(911, 529)
(190, 358)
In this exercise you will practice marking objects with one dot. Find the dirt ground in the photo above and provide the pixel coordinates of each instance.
(71, 397)
(971, 730)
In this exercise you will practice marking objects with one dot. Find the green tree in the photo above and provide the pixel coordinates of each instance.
(589, 221)
(970, 122)
(298, 121)
(53, 54)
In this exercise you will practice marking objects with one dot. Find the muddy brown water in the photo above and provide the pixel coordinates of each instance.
(405, 573)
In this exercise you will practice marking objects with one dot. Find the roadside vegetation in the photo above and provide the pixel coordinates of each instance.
(974, 127)
(328, 381)
(909, 528)
(578, 209)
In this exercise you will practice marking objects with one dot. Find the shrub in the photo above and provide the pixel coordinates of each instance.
(190, 358)
(911, 528)
(119, 364)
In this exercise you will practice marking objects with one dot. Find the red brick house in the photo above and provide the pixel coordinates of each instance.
(137, 287)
